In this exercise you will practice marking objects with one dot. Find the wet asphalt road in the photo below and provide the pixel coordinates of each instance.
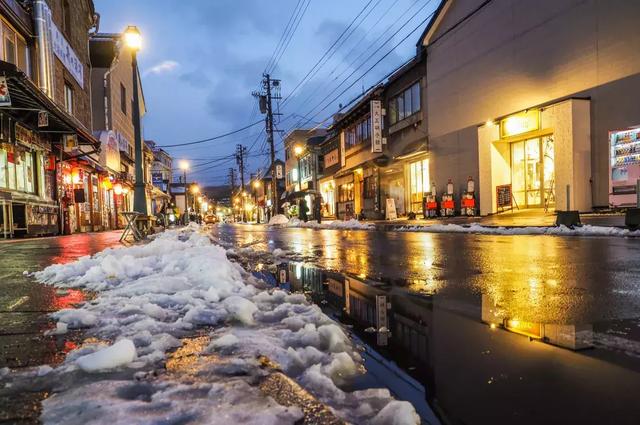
(483, 302)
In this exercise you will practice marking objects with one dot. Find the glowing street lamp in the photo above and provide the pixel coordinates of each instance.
(133, 41)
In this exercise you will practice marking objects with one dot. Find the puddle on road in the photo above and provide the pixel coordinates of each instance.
(471, 358)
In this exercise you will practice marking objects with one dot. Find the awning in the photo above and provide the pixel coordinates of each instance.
(27, 100)
(158, 194)
(416, 148)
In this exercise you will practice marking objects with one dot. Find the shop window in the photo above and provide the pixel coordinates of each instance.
(358, 133)
(404, 104)
(68, 98)
(30, 173)
(20, 181)
(3, 168)
(9, 37)
(419, 182)
(123, 99)
(22, 53)
(345, 193)
(370, 187)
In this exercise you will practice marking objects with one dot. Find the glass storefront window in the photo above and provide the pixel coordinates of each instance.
(20, 183)
(29, 169)
(346, 192)
(3, 168)
(419, 183)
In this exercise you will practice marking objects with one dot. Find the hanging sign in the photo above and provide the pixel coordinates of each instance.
(63, 50)
(279, 172)
(376, 126)
(5, 99)
(70, 142)
(43, 119)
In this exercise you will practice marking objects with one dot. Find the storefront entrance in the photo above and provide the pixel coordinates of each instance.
(532, 172)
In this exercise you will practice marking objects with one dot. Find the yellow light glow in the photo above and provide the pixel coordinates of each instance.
(199, 198)
(195, 189)
(117, 189)
(184, 165)
(256, 184)
(493, 326)
(297, 149)
(489, 123)
(132, 38)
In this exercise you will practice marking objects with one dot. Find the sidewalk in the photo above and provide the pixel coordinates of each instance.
(525, 218)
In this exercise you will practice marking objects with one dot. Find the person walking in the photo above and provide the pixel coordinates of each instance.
(303, 210)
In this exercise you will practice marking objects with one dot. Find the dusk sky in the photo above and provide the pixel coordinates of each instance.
(202, 59)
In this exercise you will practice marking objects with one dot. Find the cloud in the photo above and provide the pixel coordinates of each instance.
(163, 67)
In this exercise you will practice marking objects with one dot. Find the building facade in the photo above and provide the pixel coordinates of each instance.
(50, 177)
(112, 110)
(532, 98)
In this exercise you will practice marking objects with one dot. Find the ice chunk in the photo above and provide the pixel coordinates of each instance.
(333, 338)
(397, 413)
(76, 318)
(240, 309)
(225, 341)
(44, 370)
(119, 354)
(61, 328)
(278, 219)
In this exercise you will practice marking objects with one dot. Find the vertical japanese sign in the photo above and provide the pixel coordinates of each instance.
(382, 320)
(343, 159)
(376, 126)
(5, 100)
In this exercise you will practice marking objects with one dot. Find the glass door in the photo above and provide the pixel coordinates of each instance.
(518, 166)
(533, 173)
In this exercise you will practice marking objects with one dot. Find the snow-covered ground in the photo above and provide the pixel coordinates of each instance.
(585, 230)
(150, 299)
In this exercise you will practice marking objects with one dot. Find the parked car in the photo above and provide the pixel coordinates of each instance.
(210, 219)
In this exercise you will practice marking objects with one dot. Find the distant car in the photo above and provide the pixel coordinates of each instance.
(210, 219)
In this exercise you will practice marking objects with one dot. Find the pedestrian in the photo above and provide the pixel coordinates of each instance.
(317, 209)
(303, 210)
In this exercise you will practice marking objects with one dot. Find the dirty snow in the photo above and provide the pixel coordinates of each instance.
(584, 230)
(352, 224)
(278, 219)
(150, 297)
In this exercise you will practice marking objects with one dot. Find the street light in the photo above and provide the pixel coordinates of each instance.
(133, 41)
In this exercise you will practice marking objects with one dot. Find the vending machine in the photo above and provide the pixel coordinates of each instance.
(624, 166)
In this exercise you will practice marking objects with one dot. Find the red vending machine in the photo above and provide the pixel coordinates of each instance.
(624, 166)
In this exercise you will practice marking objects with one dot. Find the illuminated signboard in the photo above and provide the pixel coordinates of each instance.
(520, 123)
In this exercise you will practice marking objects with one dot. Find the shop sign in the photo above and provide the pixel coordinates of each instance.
(382, 320)
(343, 159)
(63, 50)
(43, 119)
(24, 135)
(376, 126)
(279, 172)
(5, 99)
(110, 153)
(70, 142)
(156, 178)
(391, 213)
(331, 158)
(520, 123)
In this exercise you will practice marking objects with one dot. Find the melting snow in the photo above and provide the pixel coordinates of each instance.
(178, 285)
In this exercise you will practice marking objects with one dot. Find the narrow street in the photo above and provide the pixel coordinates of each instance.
(545, 321)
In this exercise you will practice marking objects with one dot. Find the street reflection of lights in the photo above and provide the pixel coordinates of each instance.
(492, 326)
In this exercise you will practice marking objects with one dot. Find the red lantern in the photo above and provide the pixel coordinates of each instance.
(117, 189)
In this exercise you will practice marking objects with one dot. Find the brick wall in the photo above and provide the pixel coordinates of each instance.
(81, 21)
(120, 121)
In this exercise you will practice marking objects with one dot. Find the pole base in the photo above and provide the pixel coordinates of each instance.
(632, 218)
(568, 218)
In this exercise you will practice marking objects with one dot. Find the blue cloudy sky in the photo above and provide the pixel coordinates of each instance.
(203, 58)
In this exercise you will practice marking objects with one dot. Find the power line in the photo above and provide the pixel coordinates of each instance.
(284, 35)
(368, 69)
(212, 138)
(326, 53)
(292, 33)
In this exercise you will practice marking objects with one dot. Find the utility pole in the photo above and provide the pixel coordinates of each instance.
(241, 152)
(271, 92)
(232, 180)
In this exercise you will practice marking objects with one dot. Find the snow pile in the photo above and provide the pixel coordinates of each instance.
(585, 230)
(179, 285)
(352, 224)
(279, 219)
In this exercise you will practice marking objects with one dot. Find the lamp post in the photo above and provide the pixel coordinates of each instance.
(133, 41)
(195, 190)
(184, 166)
(256, 186)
